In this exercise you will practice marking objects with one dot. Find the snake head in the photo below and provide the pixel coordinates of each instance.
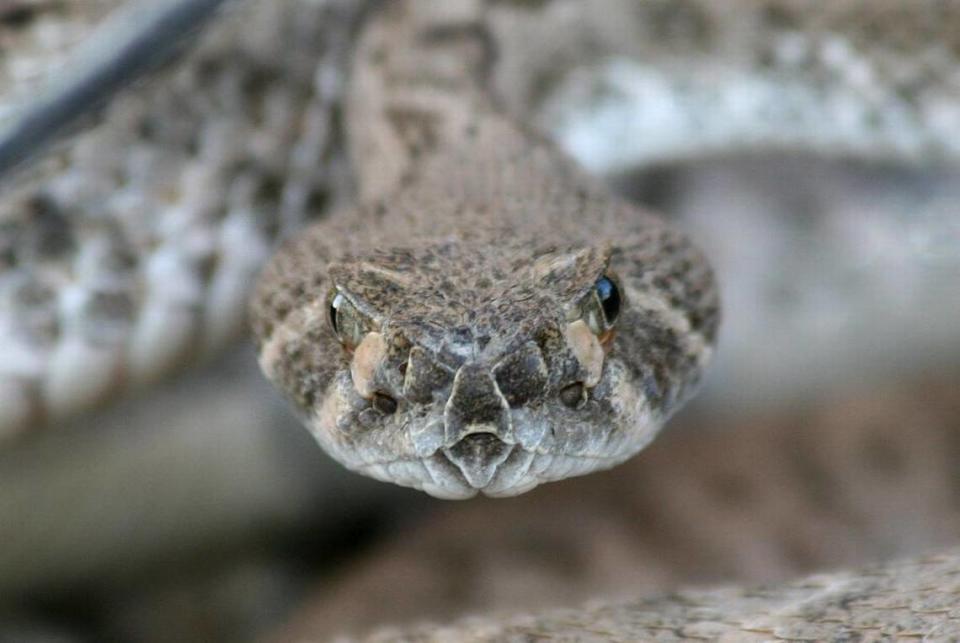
(457, 369)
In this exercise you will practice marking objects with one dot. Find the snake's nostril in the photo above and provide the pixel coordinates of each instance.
(573, 396)
(384, 403)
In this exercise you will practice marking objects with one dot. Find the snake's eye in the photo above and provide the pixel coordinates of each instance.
(609, 296)
(346, 320)
(602, 306)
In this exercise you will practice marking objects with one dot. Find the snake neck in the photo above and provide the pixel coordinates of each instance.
(418, 92)
(426, 132)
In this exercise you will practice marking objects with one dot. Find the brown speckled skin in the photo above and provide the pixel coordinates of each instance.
(477, 244)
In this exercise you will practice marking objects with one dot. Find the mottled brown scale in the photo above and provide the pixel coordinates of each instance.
(473, 256)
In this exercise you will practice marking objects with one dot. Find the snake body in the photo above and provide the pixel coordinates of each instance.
(129, 252)
(484, 359)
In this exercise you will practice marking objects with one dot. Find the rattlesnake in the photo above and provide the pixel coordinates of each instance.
(677, 307)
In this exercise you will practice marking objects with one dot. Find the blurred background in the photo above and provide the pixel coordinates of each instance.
(827, 434)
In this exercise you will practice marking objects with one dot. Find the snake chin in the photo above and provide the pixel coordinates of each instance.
(518, 472)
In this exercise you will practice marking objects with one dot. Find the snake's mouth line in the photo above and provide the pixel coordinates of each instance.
(517, 471)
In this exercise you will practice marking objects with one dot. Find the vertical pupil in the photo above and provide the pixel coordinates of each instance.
(335, 304)
(609, 298)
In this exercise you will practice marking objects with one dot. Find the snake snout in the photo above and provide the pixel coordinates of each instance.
(476, 405)
(478, 456)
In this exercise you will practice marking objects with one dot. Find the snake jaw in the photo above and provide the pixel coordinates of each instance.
(547, 441)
